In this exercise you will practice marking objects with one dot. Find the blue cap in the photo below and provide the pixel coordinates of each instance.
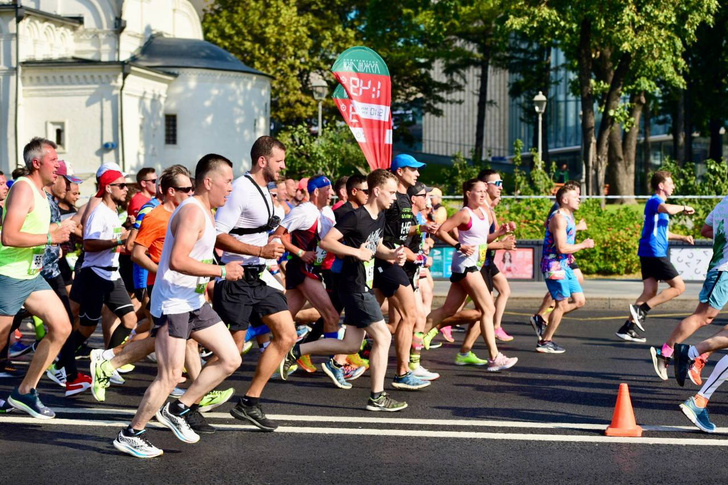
(318, 182)
(403, 160)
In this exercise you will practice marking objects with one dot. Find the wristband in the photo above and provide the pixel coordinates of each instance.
(458, 246)
(300, 253)
(223, 272)
(118, 240)
(419, 230)
(50, 243)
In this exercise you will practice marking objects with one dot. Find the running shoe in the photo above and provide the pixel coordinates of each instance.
(153, 357)
(246, 347)
(178, 424)
(435, 345)
(357, 361)
(204, 353)
(697, 415)
(5, 407)
(695, 370)
(469, 359)
(427, 339)
(421, 373)
(136, 445)
(177, 392)
(301, 332)
(628, 333)
(660, 363)
(197, 422)
(409, 382)
(304, 362)
(385, 403)
(549, 347)
(83, 351)
(291, 370)
(538, 324)
(284, 368)
(101, 372)
(18, 349)
(78, 385)
(254, 415)
(215, 398)
(125, 369)
(501, 362)
(638, 316)
(352, 373)
(682, 363)
(447, 334)
(31, 404)
(336, 374)
(501, 335)
(57, 375)
(8, 371)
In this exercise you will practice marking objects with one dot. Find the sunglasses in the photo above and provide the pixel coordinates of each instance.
(154, 181)
(274, 195)
(497, 183)
(186, 190)
(121, 186)
(366, 191)
(420, 195)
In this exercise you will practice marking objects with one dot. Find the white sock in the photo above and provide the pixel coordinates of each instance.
(693, 353)
(108, 354)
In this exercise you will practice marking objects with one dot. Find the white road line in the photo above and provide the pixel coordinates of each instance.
(402, 433)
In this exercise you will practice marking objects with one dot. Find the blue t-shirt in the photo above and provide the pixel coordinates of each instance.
(653, 243)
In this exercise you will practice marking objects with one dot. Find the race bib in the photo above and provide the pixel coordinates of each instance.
(369, 269)
(320, 256)
(117, 235)
(36, 264)
(554, 270)
(202, 280)
(482, 254)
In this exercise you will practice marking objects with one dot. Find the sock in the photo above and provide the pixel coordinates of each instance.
(700, 401)
(177, 408)
(463, 354)
(264, 346)
(705, 356)
(317, 330)
(129, 431)
(39, 328)
(415, 359)
(119, 335)
(108, 354)
(334, 335)
(666, 351)
(250, 401)
(375, 395)
(336, 364)
(417, 343)
(645, 307)
(693, 353)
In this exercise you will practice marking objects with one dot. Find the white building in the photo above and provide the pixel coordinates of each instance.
(128, 81)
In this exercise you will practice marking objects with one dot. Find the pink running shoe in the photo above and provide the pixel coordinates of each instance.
(447, 334)
(501, 362)
(501, 335)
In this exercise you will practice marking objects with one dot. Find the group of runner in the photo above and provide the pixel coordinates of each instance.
(206, 252)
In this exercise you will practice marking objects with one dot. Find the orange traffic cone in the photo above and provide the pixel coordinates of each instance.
(623, 422)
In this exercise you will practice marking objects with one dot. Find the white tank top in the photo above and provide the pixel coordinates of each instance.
(175, 292)
(476, 235)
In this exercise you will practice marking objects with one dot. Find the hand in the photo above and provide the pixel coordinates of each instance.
(467, 250)
(688, 211)
(689, 240)
(503, 229)
(272, 250)
(61, 233)
(581, 226)
(308, 257)
(364, 253)
(428, 263)
(234, 271)
(509, 242)
(511, 226)
(70, 223)
(431, 227)
(400, 255)
(587, 243)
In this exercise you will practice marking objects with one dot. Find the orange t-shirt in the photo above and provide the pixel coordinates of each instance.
(151, 235)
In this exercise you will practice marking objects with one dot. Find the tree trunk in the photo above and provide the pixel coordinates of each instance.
(624, 182)
(647, 149)
(545, 84)
(688, 158)
(678, 129)
(716, 140)
(587, 104)
(482, 104)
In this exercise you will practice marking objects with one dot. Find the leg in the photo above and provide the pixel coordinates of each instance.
(284, 332)
(704, 315)
(500, 283)
(562, 308)
(404, 302)
(382, 338)
(676, 288)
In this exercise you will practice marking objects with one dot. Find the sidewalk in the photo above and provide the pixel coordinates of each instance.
(601, 294)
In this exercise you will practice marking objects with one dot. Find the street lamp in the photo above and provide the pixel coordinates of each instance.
(320, 90)
(539, 102)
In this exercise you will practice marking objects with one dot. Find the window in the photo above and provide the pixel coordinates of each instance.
(170, 129)
(56, 132)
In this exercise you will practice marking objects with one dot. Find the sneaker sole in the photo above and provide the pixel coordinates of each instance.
(331, 375)
(534, 325)
(73, 392)
(22, 407)
(694, 419)
(124, 448)
(55, 379)
(210, 407)
(408, 387)
(388, 410)
(478, 364)
(13, 355)
(636, 318)
(502, 367)
(697, 381)
(94, 356)
(177, 433)
(655, 364)
(244, 417)
(629, 338)
(549, 351)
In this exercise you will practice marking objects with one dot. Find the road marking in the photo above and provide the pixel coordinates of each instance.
(618, 318)
(409, 433)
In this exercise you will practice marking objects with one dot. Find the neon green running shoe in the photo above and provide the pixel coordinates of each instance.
(215, 398)
(469, 359)
(427, 339)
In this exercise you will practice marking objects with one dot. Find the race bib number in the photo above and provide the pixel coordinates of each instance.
(482, 254)
(369, 270)
(202, 280)
(117, 235)
(36, 264)
(320, 256)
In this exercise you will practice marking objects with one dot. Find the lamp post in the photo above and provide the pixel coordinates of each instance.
(320, 90)
(539, 102)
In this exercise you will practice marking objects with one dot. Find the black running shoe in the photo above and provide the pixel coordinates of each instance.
(682, 363)
(198, 423)
(638, 316)
(254, 415)
(628, 333)
(539, 325)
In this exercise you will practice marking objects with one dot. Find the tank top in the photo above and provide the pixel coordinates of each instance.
(550, 255)
(175, 292)
(476, 235)
(26, 263)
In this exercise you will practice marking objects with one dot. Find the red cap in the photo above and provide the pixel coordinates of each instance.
(63, 171)
(108, 177)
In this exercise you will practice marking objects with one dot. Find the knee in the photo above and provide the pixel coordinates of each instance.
(287, 336)
(170, 377)
(231, 363)
(680, 289)
(579, 302)
(505, 293)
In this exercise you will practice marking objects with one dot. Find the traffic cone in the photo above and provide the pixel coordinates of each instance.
(623, 422)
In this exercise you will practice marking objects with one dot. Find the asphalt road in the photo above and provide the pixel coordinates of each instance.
(542, 421)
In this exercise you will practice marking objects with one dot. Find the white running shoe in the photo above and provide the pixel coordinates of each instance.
(424, 374)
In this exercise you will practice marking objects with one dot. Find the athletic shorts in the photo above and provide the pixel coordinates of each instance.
(59, 288)
(181, 325)
(14, 292)
(66, 271)
(329, 279)
(563, 289)
(361, 309)
(413, 272)
(98, 292)
(126, 270)
(458, 277)
(660, 269)
(488, 271)
(389, 277)
(715, 289)
(296, 274)
(242, 303)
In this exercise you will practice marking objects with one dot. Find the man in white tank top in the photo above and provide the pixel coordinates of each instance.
(181, 312)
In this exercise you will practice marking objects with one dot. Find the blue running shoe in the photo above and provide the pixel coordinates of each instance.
(30, 403)
(409, 382)
(697, 415)
(336, 374)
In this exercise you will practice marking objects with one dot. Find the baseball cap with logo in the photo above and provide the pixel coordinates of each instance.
(64, 169)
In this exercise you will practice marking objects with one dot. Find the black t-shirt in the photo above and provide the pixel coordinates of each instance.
(399, 220)
(343, 209)
(358, 227)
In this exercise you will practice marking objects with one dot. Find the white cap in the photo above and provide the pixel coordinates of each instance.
(109, 166)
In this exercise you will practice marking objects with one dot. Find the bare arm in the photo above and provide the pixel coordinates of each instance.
(673, 209)
(17, 208)
(707, 231)
(679, 237)
(226, 242)
(139, 256)
(557, 226)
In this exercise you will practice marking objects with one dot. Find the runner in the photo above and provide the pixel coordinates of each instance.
(26, 230)
(180, 311)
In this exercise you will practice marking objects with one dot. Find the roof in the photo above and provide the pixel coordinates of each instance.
(165, 52)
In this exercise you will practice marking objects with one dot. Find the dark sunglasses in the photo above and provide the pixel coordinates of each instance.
(154, 181)
(366, 191)
(121, 186)
(274, 195)
(186, 190)
(420, 195)
(497, 183)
